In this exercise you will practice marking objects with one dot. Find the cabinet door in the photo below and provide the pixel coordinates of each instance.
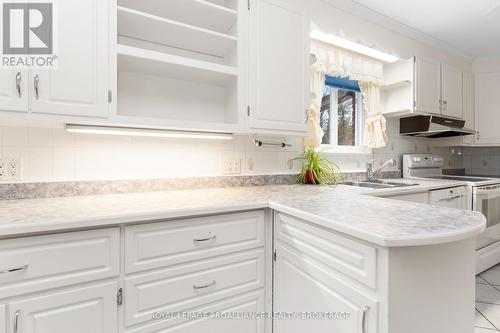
(451, 83)
(79, 84)
(14, 90)
(86, 310)
(487, 107)
(468, 106)
(428, 88)
(278, 66)
(304, 286)
(3, 320)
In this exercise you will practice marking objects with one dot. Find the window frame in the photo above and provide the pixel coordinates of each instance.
(359, 148)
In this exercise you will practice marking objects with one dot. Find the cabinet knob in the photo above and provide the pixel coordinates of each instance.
(478, 135)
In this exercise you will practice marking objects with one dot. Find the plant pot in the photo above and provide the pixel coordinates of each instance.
(310, 179)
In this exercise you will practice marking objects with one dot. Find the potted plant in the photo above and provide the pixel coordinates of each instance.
(317, 169)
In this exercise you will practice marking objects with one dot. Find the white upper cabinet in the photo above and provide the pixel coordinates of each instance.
(424, 86)
(279, 43)
(14, 90)
(487, 107)
(451, 87)
(468, 106)
(80, 83)
(428, 89)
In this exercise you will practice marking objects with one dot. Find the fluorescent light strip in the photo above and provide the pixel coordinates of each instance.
(352, 46)
(144, 132)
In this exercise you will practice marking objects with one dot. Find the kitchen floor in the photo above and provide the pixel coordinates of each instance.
(488, 301)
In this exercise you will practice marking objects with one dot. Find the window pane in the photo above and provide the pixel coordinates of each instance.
(346, 114)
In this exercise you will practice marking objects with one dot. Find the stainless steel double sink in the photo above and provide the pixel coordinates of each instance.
(378, 184)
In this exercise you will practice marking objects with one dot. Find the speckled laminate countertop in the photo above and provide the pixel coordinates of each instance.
(349, 210)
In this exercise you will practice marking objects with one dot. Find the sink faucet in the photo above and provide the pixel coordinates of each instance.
(371, 173)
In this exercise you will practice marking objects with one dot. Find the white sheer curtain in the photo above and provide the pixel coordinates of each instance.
(333, 61)
(317, 82)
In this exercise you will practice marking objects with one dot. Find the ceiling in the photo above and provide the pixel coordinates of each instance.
(470, 26)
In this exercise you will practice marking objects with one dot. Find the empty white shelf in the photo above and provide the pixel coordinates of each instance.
(199, 13)
(136, 60)
(155, 29)
(396, 84)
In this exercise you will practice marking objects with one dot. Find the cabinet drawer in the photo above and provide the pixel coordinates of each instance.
(252, 302)
(192, 285)
(352, 259)
(43, 262)
(161, 244)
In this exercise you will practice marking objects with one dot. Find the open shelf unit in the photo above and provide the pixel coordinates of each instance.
(201, 13)
(178, 63)
(397, 95)
(136, 60)
(139, 25)
(396, 84)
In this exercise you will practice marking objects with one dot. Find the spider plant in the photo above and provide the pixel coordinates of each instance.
(317, 169)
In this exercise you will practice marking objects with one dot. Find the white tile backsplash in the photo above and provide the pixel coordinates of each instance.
(56, 155)
(14, 136)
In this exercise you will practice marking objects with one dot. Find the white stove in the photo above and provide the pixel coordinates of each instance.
(482, 194)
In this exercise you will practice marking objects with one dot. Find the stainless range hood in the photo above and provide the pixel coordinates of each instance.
(433, 127)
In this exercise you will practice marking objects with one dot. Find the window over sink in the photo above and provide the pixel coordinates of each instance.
(341, 115)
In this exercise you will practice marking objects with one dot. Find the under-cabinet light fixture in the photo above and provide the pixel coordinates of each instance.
(352, 46)
(145, 132)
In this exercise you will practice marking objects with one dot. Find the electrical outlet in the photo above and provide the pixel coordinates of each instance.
(11, 169)
(2, 170)
(231, 165)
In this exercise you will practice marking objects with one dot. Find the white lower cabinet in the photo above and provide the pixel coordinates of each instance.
(76, 282)
(90, 309)
(303, 286)
(3, 320)
(318, 273)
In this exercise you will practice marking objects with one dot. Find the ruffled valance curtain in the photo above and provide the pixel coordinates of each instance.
(330, 60)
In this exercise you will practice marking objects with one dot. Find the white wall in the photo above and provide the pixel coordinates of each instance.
(52, 154)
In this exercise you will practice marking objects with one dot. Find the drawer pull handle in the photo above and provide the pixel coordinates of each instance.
(207, 239)
(363, 321)
(36, 85)
(205, 286)
(16, 321)
(18, 84)
(451, 198)
(12, 270)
